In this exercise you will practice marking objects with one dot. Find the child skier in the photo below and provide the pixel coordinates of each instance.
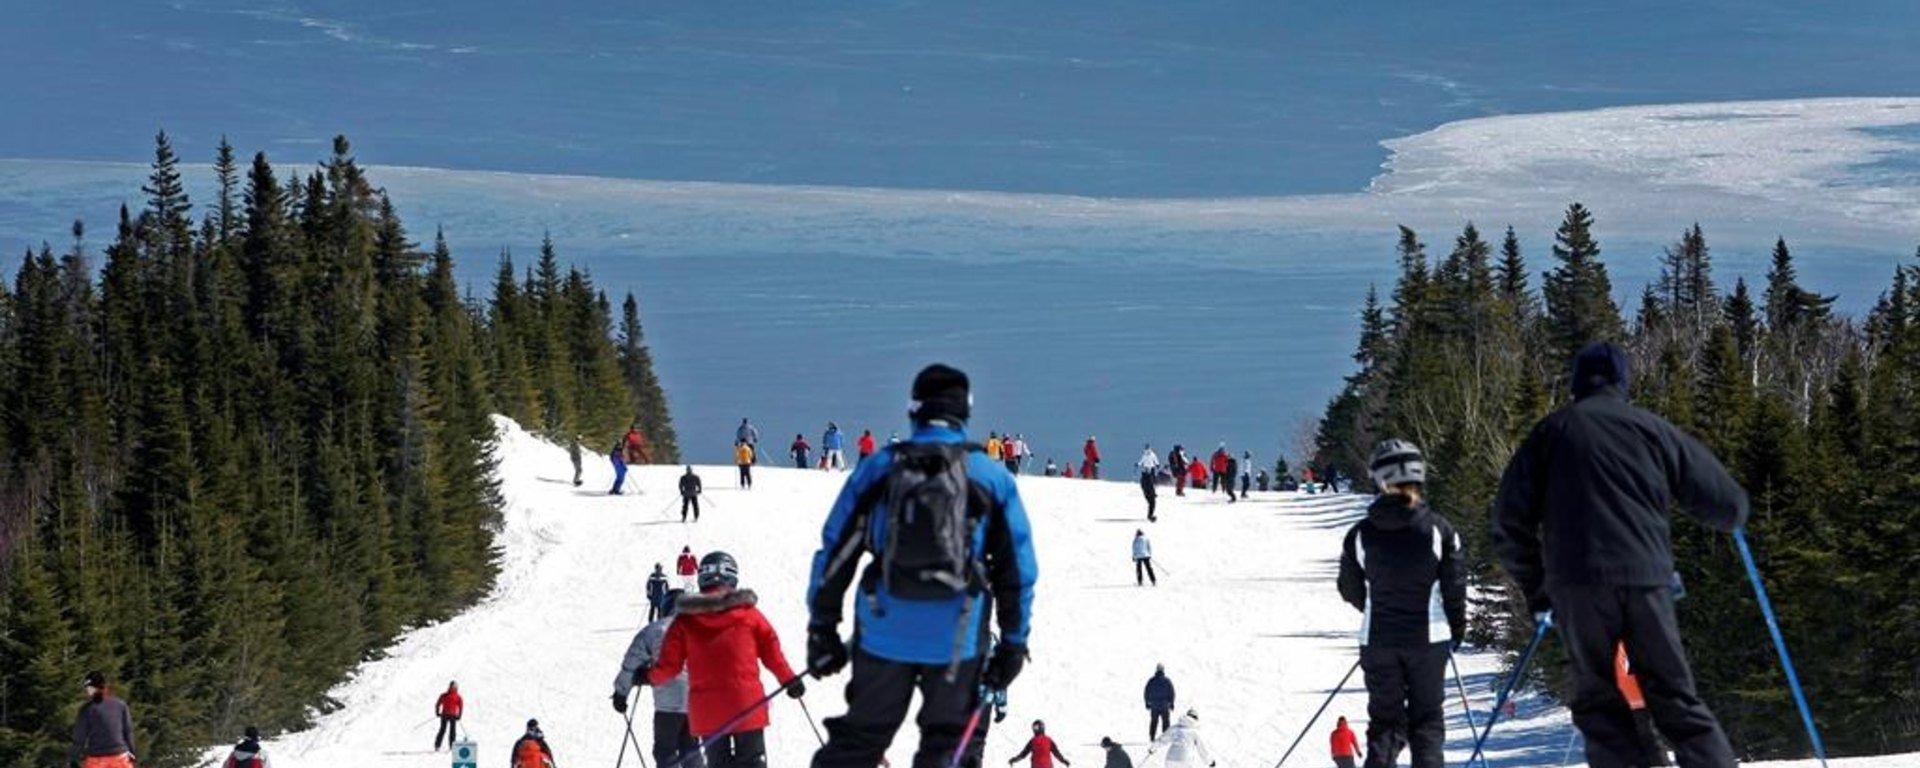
(1116, 756)
(686, 567)
(656, 592)
(799, 450)
(743, 458)
(1042, 748)
(1401, 566)
(531, 751)
(721, 639)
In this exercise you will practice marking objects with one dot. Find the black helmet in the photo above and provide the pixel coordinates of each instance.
(719, 569)
(1039, 726)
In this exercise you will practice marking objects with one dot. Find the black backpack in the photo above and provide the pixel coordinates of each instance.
(931, 516)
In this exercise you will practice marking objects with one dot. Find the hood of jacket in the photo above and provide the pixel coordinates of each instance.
(1392, 512)
(695, 606)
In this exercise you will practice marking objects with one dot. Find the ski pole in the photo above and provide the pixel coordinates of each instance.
(727, 728)
(1780, 644)
(1519, 670)
(966, 736)
(1318, 713)
(810, 722)
(638, 753)
(1567, 756)
(709, 500)
(1466, 704)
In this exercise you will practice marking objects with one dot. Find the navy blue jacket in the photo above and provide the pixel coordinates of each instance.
(1160, 693)
(923, 631)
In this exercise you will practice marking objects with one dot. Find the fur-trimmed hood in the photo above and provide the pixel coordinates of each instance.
(693, 605)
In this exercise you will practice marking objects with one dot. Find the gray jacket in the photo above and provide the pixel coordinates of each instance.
(104, 727)
(671, 697)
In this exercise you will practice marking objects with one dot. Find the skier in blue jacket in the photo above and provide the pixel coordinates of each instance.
(833, 447)
(931, 642)
(1159, 696)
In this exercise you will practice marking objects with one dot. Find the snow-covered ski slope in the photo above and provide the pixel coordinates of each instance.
(1246, 620)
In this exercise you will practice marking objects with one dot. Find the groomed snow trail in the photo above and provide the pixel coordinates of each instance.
(1246, 620)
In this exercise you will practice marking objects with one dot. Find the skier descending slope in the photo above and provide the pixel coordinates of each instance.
(1041, 748)
(1149, 466)
(531, 751)
(1183, 745)
(1402, 568)
(1160, 698)
(721, 639)
(1601, 474)
(947, 529)
(672, 736)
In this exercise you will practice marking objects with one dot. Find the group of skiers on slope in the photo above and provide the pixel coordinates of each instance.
(630, 448)
(1225, 471)
(833, 454)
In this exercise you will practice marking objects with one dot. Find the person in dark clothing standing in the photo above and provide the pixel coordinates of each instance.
(573, 454)
(1159, 702)
(1149, 466)
(1177, 460)
(103, 731)
(1116, 755)
(618, 455)
(1600, 475)
(689, 495)
(910, 635)
(1402, 568)
(448, 708)
(1233, 469)
(657, 592)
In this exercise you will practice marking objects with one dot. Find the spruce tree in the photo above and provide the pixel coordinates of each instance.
(1578, 293)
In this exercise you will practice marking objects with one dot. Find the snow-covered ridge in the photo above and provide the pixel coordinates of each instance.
(1246, 619)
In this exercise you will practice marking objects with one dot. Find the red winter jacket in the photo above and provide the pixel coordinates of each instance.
(1345, 744)
(866, 445)
(1091, 451)
(1197, 472)
(721, 640)
(1220, 462)
(449, 705)
(686, 566)
(1043, 750)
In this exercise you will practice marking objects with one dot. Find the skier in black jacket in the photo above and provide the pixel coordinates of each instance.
(1581, 524)
(689, 495)
(1401, 566)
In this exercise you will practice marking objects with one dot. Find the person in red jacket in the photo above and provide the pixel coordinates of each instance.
(637, 447)
(1090, 469)
(447, 708)
(1197, 474)
(1346, 746)
(1042, 748)
(1220, 470)
(866, 445)
(686, 566)
(725, 704)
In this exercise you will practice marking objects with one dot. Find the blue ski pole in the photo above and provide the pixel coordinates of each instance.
(1780, 643)
(1519, 670)
(1466, 704)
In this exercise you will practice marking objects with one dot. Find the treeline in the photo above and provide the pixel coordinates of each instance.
(250, 448)
(1817, 415)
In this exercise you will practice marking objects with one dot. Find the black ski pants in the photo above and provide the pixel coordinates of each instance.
(1148, 490)
(1593, 620)
(746, 475)
(740, 749)
(1406, 694)
(685, 501)
(1144, 564)
(877, 699)
(1158, 720)
(447, 727)
(673, 738)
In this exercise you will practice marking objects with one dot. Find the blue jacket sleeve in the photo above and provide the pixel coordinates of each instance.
(1012, 569)
(842, 541)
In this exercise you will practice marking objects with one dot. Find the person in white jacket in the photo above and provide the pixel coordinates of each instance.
(1183, 745)
(1143, 560)
(1149, 466)
(672, 735)
(1246, 473)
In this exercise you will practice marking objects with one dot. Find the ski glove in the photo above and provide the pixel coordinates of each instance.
(619, 703)
(826, 652)
(1005, 665)
(797, 687)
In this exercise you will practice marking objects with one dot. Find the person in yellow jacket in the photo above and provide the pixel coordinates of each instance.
(743, 458)
(994, 446)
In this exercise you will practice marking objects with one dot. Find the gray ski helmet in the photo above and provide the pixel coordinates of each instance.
(719, 569)
(1397, 462)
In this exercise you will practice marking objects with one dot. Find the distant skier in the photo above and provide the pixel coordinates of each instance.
(800, 449)
(656, 592)
(637, 447)
(1183, 744)
(995, 448)
(1051, 469)
(749, 434)
(573, 454)
(893, 438)
(1041, 748)
(672, 737)
(531, 751)
(1090, 467)
(247, 753)
(1177, 464)
(1600, 474)
(103, 731)
(618, 454)
(1218, 464)
(1233, 469)
(866, 444)
(1149, 466)
(921, 615)
(1116, 755)
(448, 708)
(1067, 471)
(743, 459)
(1246, 473)
(833, 447)
(689, 495)
(1196, 474)
(685, 567)
(1143, 560)
(1017, 454)
(1264, 481)
(721, 640)
(1160, 701)
(1402, 568)
(1346, 746)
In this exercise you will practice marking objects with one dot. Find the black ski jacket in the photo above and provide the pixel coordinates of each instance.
(1584, 501)
(689, 485)
(1403, 568)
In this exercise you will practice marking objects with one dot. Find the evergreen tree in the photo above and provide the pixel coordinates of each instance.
(1579, 295)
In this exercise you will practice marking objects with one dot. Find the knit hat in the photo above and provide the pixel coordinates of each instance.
(252, 733)
(941, 393)
(1598, 365)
